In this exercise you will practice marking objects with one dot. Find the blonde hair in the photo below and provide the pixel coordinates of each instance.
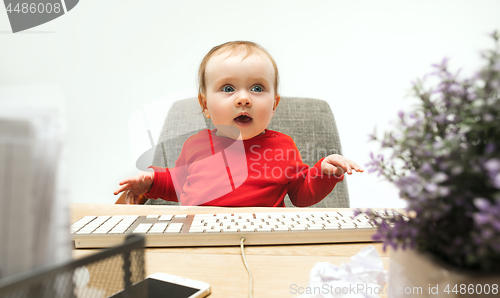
(235, 47)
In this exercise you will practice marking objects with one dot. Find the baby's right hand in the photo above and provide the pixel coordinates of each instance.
(136, 186)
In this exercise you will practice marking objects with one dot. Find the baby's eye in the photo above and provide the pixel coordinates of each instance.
(227, 89)
(257, 88)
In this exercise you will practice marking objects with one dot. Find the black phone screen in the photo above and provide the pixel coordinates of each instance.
(161, 289)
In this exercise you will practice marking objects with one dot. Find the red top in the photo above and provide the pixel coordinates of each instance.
(258, 172)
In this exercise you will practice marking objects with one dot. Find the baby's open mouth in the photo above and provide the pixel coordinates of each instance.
(243, 120)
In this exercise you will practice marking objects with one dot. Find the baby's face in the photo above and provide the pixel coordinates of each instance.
(240, 93)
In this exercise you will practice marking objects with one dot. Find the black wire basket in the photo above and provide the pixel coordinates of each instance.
(110, 273)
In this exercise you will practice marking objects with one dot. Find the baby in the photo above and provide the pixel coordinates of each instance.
(240, 163)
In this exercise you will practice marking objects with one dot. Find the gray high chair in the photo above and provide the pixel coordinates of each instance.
(309, 122)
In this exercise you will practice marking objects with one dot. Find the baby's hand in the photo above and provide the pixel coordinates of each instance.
(136, 186)
(337, 165)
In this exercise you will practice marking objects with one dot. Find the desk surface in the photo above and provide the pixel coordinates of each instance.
(275, 269)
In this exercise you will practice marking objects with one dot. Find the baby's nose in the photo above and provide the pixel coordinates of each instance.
(243, 101)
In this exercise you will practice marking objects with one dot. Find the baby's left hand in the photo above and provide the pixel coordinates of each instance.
(337, 165)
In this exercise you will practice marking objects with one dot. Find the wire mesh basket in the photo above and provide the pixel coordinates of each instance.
(110, 273)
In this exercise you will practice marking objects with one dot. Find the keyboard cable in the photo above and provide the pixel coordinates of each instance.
(250, 281)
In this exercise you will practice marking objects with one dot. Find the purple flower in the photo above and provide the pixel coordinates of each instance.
(443, 65)
(457, 170)
(488, 117)
(496, 225)
(426, 169)
(481, 218)
(486, 233)
(377, 236)
(439, 177)
(493, 168)
(492, 165)
(443, 191)
(401, 115)
(482, 204)
(410, 184)
(495, 180)
(357, 212)
(431, 187)
(441, 118)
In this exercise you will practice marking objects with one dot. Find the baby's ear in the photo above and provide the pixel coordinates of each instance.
(277, 99)
(203, 103)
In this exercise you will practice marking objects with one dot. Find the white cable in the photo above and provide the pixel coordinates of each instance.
(248, 270)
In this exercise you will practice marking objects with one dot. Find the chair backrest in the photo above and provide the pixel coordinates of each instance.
(309, 122)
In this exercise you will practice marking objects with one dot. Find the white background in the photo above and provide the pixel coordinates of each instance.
(105, 60)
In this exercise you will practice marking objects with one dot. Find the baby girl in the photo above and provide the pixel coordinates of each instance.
(240, 162)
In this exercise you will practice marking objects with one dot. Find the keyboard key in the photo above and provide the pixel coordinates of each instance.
(160, 224)
(84, 232)
(203, 216)
(165, 217)
(196, 231)
(223, 215)
(247, 230)
(213, 231)
(245, 215)
(230, 230)
(156, 231)
(263, 229)
(99, 232)
(83, 221)
(142, 228)
(262, 216)
(332, 228)
(176, 224)
(348, 226)
(197, 228)
(117, 231)
(281, 230)
(316, 228)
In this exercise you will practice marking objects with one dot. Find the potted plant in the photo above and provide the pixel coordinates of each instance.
(444, 157)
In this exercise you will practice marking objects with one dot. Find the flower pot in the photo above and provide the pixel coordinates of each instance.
(412, 274)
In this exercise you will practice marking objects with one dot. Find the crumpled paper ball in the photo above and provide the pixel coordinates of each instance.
(364, 276)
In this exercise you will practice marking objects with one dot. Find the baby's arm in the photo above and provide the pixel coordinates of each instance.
(337, 165)
(319, 181)
(136, 186)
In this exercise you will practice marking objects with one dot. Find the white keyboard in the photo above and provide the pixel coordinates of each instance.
(223, 229)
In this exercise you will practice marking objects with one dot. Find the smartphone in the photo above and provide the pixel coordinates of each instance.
(162, 285)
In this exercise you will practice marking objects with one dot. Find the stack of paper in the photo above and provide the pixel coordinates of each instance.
(34, 206)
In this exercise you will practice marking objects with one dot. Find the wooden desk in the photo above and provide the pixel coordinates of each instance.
(275, 268)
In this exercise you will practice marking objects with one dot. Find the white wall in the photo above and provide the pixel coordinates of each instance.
(104, 60)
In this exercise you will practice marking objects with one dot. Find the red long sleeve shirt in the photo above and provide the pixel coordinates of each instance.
(258, 172)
